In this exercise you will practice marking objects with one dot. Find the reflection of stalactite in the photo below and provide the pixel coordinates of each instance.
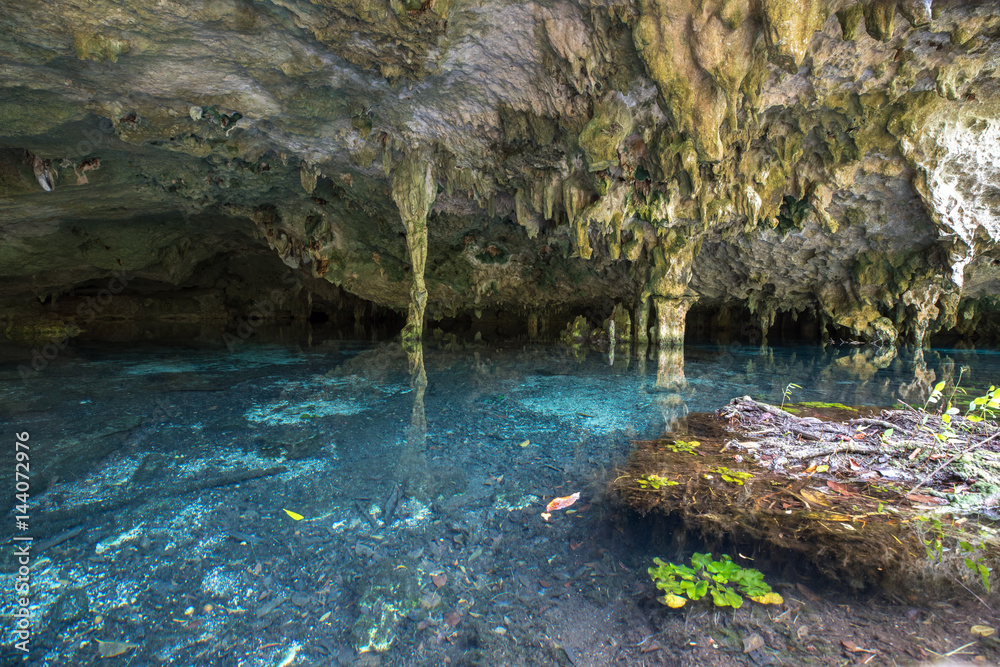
(670, 376)
(417, 431)
(670, 368)
(919, 389)
(674, 411)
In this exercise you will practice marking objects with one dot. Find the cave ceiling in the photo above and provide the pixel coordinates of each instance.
(829, 157)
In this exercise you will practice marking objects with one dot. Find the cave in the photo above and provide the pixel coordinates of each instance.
(310, 311)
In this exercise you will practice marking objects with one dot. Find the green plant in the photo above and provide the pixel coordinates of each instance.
(932, 534)
(788, 392)
(682, 446)
(732, 476)
(976, 564)
(985, 406)
(726, 581)
(654, 482)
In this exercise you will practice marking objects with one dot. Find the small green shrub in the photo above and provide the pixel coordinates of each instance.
(682, 446)
(732, 476)
(654, 482)
(726, 581)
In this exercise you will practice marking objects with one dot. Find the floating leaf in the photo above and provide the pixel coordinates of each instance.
(294, 515)
(562, 503)
(112, 649)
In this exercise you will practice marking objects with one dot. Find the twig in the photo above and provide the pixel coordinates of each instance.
(959, 582)
(877, 422)
(822, 450)
(948, 462)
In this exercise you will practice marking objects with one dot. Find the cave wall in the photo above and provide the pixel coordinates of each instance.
(832, 160)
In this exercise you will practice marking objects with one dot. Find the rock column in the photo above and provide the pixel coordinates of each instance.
(669, 275)
(414, 191)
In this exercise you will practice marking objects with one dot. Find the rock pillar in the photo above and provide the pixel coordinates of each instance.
(642, 322)
(532, 325)
(414, 191)
(670, 314)
(669, 275)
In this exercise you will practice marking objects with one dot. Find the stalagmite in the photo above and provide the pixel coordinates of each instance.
(414, 191)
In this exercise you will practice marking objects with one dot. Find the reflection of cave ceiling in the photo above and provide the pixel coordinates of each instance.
(830, 157)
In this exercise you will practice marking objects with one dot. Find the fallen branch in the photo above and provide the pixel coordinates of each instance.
(823, 450)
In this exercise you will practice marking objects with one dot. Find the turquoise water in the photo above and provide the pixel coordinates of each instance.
(160, 479)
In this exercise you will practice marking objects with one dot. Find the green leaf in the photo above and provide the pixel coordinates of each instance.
(719, 597)
(974, 418)
(939, 387)
(965, 546)
(701, 560)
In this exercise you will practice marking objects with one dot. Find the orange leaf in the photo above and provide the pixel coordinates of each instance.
(840, 488)
(927, 500)
(562, 503)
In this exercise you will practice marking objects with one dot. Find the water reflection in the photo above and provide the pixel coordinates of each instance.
(670, 381)
(415, 458)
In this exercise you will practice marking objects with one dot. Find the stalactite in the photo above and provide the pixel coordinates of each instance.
(414, 190)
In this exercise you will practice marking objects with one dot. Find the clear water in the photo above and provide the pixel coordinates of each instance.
(145, 533)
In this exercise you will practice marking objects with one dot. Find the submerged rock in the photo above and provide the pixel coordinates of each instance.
(388, 596)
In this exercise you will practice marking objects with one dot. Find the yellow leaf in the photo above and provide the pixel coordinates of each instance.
(526, 443)
(982, 630)
(294, 515)
(112, 649)
(768, 598)
(813, 497)
(673, 601)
